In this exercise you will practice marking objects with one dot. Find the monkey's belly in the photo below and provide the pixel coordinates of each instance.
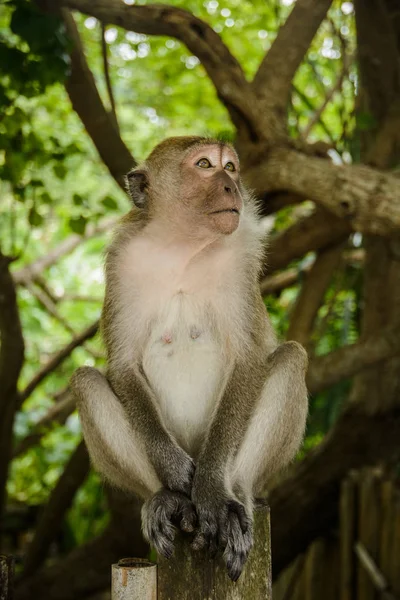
(183, 367)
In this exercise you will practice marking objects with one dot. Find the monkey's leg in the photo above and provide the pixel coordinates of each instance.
(277, 426)
(115, 450)
(119, 455)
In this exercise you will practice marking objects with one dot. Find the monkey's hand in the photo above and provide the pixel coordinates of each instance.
(174, 467)
(161, 514)
(223, 524)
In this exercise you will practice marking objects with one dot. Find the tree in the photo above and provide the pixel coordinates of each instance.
(326, 173)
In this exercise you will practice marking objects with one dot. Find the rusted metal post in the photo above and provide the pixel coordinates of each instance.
(6, 577)
(192, 575)
(134, 579)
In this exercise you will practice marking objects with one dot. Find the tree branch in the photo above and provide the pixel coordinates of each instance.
(86, 101)
(61, 498)
(273, 79)
(11, 361)
(107, 75)
(58, 413)
(280, 281)
(34, 269)
(316, 118)
(340, 364)
(312, 294)
(369, 200)
(57, 359)
(157, 19)
(319, 230)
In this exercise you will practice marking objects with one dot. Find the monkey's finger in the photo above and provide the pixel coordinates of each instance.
(238, 547)
(240, 511)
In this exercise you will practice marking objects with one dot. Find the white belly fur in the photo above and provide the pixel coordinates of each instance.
(184, 369)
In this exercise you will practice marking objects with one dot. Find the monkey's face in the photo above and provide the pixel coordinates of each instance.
(192, 183)
(210, 187)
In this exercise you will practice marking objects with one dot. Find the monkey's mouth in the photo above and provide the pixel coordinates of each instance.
(226, 210)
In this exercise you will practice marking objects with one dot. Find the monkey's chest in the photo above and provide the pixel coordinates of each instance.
(182, 360)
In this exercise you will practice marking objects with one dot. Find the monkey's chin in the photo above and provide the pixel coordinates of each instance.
(225, 222)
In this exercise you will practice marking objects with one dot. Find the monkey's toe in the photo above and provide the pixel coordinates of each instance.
(238, 547)
(159, 516)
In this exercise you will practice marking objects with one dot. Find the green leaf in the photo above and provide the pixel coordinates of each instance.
(77, 199)
(110, 203)
(60, 170)
(35, 219)
(78, 224)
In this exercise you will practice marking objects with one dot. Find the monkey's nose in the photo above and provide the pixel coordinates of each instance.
(228, 189)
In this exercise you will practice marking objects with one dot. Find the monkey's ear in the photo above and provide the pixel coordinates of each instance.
(137, 183)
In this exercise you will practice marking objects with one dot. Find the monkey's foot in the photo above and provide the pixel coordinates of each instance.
(161, 513)
(225, 526)
(238, 547)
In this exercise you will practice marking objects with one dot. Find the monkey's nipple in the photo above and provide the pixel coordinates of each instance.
(167, 338)
(194, 333)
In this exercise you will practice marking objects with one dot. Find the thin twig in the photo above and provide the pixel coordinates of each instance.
(32, 270)
(57, 359)
(107, 75)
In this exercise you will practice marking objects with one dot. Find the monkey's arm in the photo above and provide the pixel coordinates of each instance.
(173, 465)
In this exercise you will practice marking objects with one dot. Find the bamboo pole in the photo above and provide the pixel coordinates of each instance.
(190, 575)
(134, 579)
(6, 577)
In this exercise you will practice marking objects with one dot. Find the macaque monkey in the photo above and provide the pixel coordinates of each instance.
(200, 406)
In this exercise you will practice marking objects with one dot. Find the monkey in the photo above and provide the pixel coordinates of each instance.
(200, 406)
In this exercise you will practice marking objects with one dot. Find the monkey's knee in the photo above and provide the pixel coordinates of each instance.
(86, 382)
(290, 353)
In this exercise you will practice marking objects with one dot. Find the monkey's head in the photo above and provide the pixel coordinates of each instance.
(192, 182)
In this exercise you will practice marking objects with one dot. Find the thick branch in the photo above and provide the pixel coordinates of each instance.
(280, 281)
(369, 200)
(340, 364)
(273, 80)
(319, 230)
(86, 101)
(305, 505)
(33, 270)
(61, 498)
(312, 294)
(58, 358)
(12, 341)
(199, 37)
(11, 361)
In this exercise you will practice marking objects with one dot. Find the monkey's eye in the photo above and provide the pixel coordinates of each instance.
(203, 163)
(230, 167)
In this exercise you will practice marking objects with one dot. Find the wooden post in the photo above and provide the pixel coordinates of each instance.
(134, 579)
(192, 575)
(6, 577)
